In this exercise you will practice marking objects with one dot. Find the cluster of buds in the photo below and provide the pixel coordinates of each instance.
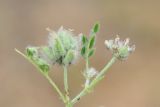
(120, 48)
(64, 46)
(63, 49)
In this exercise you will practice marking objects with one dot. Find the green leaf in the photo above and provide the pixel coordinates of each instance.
(83, 50)
(91, 52)
(84, 39)
(92, 41)
(96, 28)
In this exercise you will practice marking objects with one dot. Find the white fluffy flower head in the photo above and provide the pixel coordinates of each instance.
(91, 73)
(64, 45)
(120, 48)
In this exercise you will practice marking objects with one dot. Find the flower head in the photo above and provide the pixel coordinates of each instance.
(91, 73)
(64, 46)
(120, 48)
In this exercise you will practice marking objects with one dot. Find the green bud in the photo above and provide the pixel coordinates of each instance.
(42, 64)
(69, 57)
(48, 52)
(31, 51)
(123, 52)
(34, 54)
(58, 46)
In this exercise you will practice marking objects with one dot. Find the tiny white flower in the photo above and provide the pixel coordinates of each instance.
(109, 44)
(91, 73)
(120, 48)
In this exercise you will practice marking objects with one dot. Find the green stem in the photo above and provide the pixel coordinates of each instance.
(56, 88)
(87, 58)
(44, 74)
(32, 62)
(95, 81)
(105, 69)
(66, 80)
(78, 97)
(69, 105)
(87, 67)
(87, 64)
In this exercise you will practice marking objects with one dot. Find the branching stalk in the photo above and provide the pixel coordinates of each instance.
(55, 87)
(45, 75)
(105, 69)
(95, 81)
(63, 49)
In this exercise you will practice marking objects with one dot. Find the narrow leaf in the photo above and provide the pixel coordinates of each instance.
(96, 28)
(83, 51)
(92, 41)
(91, 52)
(84, 39)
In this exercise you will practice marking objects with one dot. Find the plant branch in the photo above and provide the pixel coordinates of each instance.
(105, 69)
(45, 74)
(55, 87)
(66, 80)
(95, 81)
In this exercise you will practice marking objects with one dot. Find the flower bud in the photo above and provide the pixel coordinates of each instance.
(34, 54)
(69, 57)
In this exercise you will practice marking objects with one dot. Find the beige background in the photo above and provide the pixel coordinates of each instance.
(133, 83)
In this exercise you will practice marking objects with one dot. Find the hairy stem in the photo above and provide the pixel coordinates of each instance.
(66, 80)
(87, 63)
(44, 74)
(69, 105)
(78, 97)
(105, 69)
(55, 87)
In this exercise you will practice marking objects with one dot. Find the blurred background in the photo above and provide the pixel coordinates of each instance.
(132, 83)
